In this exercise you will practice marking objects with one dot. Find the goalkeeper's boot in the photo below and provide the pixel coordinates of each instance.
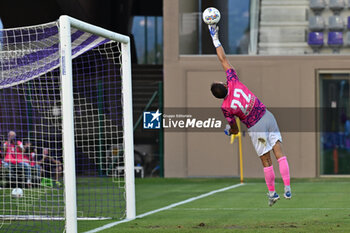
(273, 198)
(287, 193)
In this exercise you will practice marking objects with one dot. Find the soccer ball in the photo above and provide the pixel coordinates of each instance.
(56, 111)
(211, 15)
(17, 193)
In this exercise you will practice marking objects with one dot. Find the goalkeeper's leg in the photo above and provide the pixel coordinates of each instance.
(269, 178)
(284, 168)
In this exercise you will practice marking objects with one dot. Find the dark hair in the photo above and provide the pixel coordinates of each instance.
(219, 90)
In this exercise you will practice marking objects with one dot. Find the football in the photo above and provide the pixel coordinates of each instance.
(17, 193)
(211, 15)
(56, 111)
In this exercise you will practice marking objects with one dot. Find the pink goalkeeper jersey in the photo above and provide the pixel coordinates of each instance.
(241, 102)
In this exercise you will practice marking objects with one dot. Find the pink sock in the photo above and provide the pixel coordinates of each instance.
(270, 178)
(284, 170)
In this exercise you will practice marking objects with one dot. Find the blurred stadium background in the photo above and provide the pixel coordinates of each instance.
(293, 54)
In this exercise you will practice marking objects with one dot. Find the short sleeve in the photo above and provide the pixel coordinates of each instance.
(231, 75)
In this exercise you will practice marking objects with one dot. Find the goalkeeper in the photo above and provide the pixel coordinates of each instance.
(239, 101)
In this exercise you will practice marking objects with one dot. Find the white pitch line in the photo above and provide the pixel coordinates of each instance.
(165, 208)
(274, 209)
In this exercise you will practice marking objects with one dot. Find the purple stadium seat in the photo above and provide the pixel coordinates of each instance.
(349, 22)
(315, 39)
(335, 38)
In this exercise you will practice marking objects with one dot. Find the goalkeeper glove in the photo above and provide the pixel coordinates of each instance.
(214, 32)
(227, 130)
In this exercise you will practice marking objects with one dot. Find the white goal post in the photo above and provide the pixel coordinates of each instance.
(65, 23)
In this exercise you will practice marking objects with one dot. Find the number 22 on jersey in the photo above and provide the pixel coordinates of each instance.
(241, 99)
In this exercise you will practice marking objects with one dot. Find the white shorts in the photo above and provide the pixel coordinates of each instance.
(265, 134)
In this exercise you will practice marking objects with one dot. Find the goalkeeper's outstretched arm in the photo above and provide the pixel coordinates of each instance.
(214, 33)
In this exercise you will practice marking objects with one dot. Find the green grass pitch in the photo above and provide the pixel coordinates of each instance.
(318, 205)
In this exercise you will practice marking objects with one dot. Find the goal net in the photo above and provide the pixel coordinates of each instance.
(65, 127)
